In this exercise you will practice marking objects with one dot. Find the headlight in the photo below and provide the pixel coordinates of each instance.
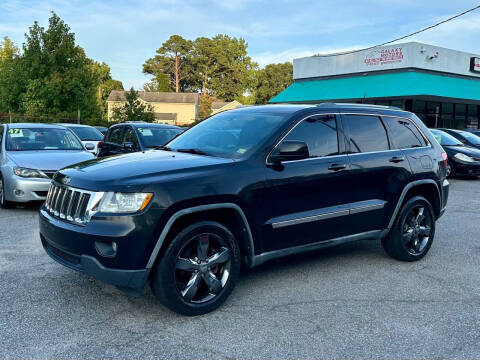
(28, 173)
(114, 202)
(463, 157)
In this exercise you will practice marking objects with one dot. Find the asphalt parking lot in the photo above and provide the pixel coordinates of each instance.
(348, 302)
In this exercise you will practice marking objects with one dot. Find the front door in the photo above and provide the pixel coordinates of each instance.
(306, 197)
(113, 143)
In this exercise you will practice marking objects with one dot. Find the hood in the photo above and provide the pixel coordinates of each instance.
(48, 159)
(467, 150)
(136, 170)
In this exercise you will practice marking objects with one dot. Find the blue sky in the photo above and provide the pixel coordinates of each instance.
(125, 33)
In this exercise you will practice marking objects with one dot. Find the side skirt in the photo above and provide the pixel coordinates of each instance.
(262, 258)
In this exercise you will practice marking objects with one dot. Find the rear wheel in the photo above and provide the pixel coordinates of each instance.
(4, 204)
(450, 171)
(198, 270)
(413, 231)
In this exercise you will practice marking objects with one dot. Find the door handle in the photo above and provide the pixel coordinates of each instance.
(397, 159)
(337, 167)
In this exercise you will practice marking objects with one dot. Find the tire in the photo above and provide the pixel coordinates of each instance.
(179, 279)
(450, 170)
(4, 204)
(412, 234)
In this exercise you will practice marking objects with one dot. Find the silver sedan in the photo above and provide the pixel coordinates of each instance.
(30, 154)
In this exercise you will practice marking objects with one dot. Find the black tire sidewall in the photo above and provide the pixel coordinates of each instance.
(394, 244)
(6, 204)
(163, 278)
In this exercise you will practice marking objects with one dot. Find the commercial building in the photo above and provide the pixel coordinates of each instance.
(442, 86)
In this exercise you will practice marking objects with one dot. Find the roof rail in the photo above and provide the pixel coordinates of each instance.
(358, 105)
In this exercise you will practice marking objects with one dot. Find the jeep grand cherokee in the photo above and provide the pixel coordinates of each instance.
(247, 186)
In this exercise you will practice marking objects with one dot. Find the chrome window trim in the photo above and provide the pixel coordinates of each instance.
(267, 163)
(195, 209)
(331, 212)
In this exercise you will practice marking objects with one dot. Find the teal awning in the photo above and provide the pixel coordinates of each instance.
(380, 86)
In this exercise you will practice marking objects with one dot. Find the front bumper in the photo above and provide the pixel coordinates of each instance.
(114, 249)
(20, 189)
(469, 169)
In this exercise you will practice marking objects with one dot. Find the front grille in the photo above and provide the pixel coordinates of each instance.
(67, 203)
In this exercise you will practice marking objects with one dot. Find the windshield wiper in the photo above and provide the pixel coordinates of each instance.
(157, 147)
(193, 151)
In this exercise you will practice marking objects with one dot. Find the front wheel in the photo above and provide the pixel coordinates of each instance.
(198, 270)
(4, 203)
(412, 234)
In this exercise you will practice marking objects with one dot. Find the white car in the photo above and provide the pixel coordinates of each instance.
(89, 135)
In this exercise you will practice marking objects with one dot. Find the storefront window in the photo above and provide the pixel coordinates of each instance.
(397, 103)
(447, 108)
(447, 121)
(460, 109)
(418, 106)
(433, 107)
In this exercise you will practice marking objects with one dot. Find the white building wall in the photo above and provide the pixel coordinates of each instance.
(399, 56)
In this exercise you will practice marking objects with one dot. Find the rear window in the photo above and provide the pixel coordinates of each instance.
(87, 133)
(445, 139)
(157, 136)
(366, 133)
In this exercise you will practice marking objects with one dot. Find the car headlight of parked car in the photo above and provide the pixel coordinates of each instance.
(115, 202)
(29, 173)
(463, 157)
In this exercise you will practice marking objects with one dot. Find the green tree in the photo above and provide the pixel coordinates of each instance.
(104, 83)
(271, 80)
(59, 81)
(205, 106)
(204, 61)
(235, 70)
(133, 109)
(160, 83)
(172, 59)
(7, 50)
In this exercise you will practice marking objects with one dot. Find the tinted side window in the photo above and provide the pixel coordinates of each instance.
(115, 135)
(1, 137)
(320, 134)
(367, 133)
(404, 134)
(130, 136)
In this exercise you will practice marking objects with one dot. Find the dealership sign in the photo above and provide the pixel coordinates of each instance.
(475, 64)
(384, 56)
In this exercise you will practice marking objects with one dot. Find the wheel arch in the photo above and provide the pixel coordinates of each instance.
(427, 188)
(226, 213)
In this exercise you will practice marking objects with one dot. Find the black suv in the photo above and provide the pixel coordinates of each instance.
(246, 186)
(136, 136)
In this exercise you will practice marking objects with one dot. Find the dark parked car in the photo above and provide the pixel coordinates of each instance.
(247, 186)
(102, 129)
(474, 131)
(465, 137)
(462, 159)
(132, 137)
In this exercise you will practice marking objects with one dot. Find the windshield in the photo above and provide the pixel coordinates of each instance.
(26, 139)
(231, 134)
(156, 136)
(474, 139)
(445, 139)
(87, 133)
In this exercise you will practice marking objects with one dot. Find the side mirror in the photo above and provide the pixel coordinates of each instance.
(128, 145)
(289, 150)
(89, 146)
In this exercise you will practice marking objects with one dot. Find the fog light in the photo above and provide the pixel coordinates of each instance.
(106, 249)
(18, 192)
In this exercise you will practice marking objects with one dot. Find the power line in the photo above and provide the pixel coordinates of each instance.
(405, 36)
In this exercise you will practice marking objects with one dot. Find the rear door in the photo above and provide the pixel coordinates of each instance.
(306, 198)
(378, 172)
(113, 143)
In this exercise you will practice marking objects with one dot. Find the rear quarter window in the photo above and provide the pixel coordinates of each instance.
(403, 134)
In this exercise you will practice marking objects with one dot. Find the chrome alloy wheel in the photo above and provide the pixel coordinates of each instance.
(202, 268)
(417, 230)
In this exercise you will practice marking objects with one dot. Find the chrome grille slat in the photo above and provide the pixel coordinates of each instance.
(70, 204)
